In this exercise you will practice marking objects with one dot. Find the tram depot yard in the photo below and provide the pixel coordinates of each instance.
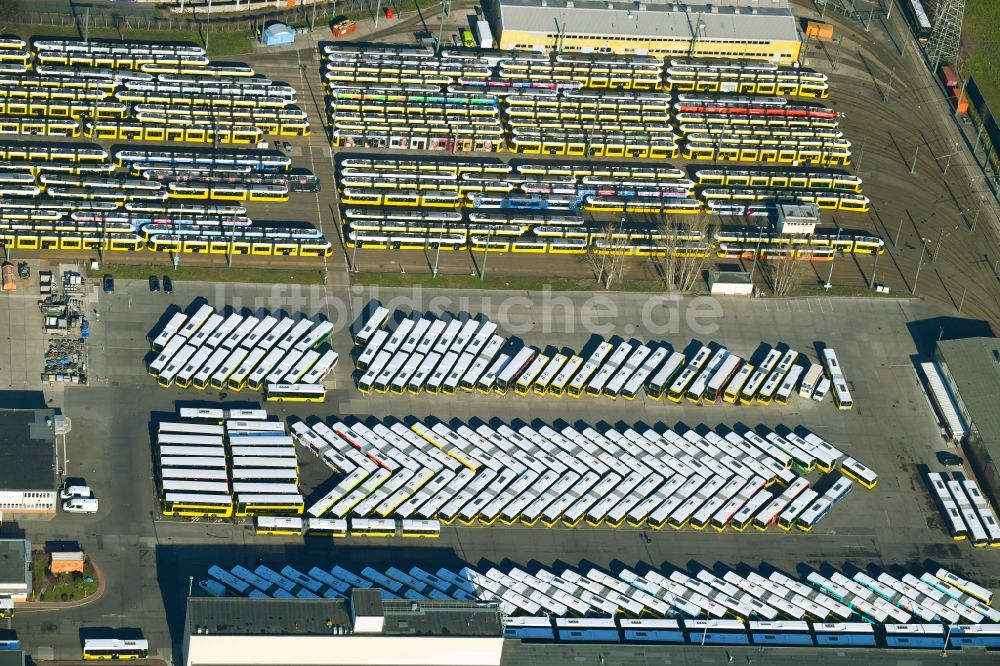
(511, 498)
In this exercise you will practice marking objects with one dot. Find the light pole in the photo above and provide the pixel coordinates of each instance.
(895, 241)
(874, 267)
(830, 276)
(916, 276)
(486, 254)
(962, 302)
(982, 200)
(208, 28)
(913, 166)
(947, 637)
(445, 12)
(437, 258)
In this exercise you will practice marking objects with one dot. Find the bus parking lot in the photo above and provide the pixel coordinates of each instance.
(926, 219)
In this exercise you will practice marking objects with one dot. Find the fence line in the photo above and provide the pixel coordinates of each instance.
(222, 23)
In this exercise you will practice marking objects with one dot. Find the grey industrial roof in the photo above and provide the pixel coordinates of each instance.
(974, 363)
(722, 19)
(366, 603)
(241, 616)
(27, 450)
(235, 616)
(12, 561)
(441, 618)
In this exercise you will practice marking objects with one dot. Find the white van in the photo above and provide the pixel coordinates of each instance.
(69, 492)
(80, 505)
(821, 389)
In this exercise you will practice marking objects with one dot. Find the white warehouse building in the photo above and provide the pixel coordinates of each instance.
(363, 630)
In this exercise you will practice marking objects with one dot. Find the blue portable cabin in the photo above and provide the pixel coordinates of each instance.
(276, 34)
(587, 630)
(780, 632)
(914, 635)
(651, 631)
(844, 634)
(716, 632)
(528, 628)
(978, 635)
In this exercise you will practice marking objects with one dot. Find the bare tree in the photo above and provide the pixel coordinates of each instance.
(605, 255)
(682, 250)
(783, 273)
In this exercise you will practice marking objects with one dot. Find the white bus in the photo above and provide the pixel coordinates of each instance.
(558, 385)
(368, 353)
(193, 473)
(434, 382)
(166, 377)
(174, 345)
(196, 321)
(171, 328)
(316, 336)
(222, 332)
(784, 392)
(183, 378)
(597, 382)
(841, 393)
(259, 331)
(424, 370)
(284, 366)
(323, 366)
(488, 379)
(623, 375)
(478, 368)
(201, 378)
(577, 385)
(444, 342)
(302, 366)
(450, 384)
(375, 321)
(654, 357)
(527, 378)
(696, 390)
(482, 336)
(221, 377)
(400, 382)
(665, 376)
(202, 335)
(735, 387)
(238, 379)
(244, 329)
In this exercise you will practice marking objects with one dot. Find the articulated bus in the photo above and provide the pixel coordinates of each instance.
(197, 505)
(115, 648)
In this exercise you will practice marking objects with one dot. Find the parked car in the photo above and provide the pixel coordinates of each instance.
(168, 285)
(949, 459)
(81, 505)
(109, 284)
(70, 492)
(154, 283)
